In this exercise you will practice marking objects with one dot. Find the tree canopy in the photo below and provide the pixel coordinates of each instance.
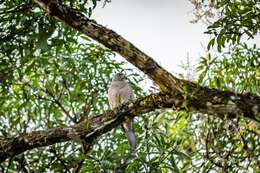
(56, 63)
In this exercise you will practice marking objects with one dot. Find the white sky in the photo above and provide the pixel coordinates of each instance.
(160, 28)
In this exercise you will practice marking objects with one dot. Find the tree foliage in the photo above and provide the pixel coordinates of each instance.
(53, 76)
(231, 146)
(229, 21)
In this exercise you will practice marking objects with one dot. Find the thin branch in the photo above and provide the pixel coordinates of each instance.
(249, 151)
(218, 164)
(79, 165)
(53, 100)
(9, 163)
(22, 163)
(59, 159)
(59, 104)
(20, 8)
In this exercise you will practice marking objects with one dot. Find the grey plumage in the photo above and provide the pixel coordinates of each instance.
(120, 92)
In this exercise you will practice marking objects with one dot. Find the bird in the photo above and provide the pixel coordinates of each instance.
(120, 92)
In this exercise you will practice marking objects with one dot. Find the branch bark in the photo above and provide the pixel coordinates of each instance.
(87, 130)
(113, 41)
(94, 127)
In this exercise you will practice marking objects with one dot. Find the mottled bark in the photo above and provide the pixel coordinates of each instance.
(113, 41)
(212, 102)
(87, 130)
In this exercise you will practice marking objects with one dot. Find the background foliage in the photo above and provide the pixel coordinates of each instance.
(50, 75)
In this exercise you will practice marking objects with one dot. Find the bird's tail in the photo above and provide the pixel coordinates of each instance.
(131, 139)
(129, 131)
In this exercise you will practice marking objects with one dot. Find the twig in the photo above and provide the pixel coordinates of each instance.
(20, 8)
(79, 166)
(22, 162)
(249, 152)
(207, 152)
(59, 159)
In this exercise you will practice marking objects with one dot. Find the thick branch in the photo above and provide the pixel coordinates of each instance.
(113, 41)
(88, 130)
(220, 103)
(160, 76)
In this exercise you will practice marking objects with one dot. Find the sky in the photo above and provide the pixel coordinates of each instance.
(160, 28)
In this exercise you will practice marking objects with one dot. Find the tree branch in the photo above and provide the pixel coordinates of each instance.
(87, 130)
(113, 41)
(166, 81)
(92, 128)
(20, 8)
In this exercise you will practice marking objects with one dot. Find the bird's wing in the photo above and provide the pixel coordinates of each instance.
(111, 97)
(126, 94)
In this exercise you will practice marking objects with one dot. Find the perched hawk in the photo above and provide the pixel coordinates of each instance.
(120, 92)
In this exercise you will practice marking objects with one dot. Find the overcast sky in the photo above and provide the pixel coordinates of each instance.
(160, 28)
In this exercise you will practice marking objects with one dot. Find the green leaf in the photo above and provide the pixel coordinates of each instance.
(211, 43)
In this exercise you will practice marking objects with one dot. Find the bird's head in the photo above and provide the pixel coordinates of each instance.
(119, 77)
